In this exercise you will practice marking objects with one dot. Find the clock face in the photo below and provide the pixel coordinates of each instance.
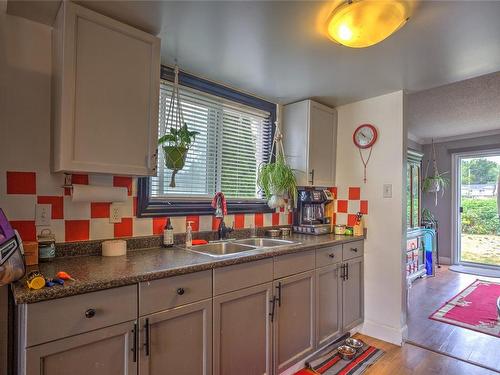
(365, 136)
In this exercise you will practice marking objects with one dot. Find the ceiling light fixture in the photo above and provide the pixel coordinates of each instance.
(363, 23)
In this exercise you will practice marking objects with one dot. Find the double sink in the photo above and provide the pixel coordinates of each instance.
(231, 247)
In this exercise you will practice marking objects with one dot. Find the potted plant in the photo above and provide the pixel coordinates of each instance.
(175, 146)
(276, 179)
(436, 183)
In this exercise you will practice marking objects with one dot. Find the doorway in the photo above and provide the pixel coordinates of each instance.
(476, 209)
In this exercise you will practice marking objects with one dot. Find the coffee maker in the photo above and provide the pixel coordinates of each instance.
(310, 215)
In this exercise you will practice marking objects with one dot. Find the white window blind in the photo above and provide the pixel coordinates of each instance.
(233, 141)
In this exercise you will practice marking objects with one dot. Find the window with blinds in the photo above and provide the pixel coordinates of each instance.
(233, 141)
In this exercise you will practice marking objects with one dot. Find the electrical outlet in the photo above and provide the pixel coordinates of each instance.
(43, 214)
(387, 190)
(115, 213)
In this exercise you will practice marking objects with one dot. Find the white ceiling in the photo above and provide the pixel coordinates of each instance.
(278, 50)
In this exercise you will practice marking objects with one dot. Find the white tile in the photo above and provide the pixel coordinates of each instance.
(205, 223)
(101, 179)
(179, 224)
(57, 229)
(268, 219)
(342, 192)
(127, 207)
(101, 229)
(249, 221)
(341, 218)
(49, 183)
(142, 227)
(353, 207)
(76, 210)
(229, 220)
(283, 219)
(19, 207)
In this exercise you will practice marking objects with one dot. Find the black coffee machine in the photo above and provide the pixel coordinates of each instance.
(310, 216)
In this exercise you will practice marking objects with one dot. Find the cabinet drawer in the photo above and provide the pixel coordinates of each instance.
(239, 276)
(174, 291)
(55, 319)
(291, 264)
(352, 250)
(328, 255)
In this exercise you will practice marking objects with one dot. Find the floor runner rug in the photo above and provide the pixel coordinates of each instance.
(474, 308)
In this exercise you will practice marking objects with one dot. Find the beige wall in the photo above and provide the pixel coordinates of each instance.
(383, 246)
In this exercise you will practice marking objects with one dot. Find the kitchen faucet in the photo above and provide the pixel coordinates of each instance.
(219, 204)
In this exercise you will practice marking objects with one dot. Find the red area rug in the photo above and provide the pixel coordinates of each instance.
(474, 308)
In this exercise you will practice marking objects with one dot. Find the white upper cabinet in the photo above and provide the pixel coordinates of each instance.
(106, 78)
(310, 137)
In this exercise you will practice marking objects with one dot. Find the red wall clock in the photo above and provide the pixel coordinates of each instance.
(364, 137)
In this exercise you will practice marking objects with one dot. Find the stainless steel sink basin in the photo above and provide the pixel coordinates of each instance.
(219, 249)
(231, 247)
(265, 242)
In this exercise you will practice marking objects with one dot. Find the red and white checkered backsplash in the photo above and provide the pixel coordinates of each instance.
(90, 221)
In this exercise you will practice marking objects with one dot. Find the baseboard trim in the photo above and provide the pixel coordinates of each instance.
(383, 332)
(445, 260)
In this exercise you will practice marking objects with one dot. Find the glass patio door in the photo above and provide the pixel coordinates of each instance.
(478, 209)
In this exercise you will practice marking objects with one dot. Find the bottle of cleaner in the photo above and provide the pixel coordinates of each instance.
(168, 234)
(189, 235)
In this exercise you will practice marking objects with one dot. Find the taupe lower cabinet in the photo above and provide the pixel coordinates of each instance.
(255, 318)
(243, 331)
(177, 341)
(294, 327)
(106, 351)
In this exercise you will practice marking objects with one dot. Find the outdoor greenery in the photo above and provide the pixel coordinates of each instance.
(479, 171)
(480, 216)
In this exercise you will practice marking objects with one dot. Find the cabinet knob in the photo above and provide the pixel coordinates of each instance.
(332, 255)
(355, 249)
(90, 313)
(180, 291)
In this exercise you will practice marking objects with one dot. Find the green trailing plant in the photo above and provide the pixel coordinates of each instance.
(434, 184)
(277, 180)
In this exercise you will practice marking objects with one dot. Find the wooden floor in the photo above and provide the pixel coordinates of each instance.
(412, 360)
(426, 296)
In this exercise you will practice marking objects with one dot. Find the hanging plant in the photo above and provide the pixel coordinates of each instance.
(277, 179)
(439, 182)
(178, 140)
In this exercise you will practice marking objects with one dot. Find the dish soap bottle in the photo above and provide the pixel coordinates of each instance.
(189, 235)
(168, 234)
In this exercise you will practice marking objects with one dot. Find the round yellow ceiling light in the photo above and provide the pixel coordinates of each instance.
(363, 23)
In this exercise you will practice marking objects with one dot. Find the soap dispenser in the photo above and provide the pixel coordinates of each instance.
(189, 235)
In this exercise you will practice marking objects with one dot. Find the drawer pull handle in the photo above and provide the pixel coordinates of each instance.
(90, 313)
(355, 249)
(180, 291)
(332, 255)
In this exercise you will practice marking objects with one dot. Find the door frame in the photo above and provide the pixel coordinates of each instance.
(455, 200)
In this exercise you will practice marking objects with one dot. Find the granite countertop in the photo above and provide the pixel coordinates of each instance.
(92, 273)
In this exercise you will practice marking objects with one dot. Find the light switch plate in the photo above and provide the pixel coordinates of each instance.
(43, 213)
(387, 190)
(115, 213)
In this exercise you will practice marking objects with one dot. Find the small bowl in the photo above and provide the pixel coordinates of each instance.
(346, 352)
(354, 343)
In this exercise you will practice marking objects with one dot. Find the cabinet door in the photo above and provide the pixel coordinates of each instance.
(106, 351)
(106, 94)
(177, 341)
(242, 331)
(328, 304)
(294, 328)
(322, 145)
(352, 294)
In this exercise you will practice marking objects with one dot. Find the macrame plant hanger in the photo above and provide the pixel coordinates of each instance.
(435, 188)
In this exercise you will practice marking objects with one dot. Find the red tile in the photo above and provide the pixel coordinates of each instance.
(134, 202)
(26, 229)
(351, 220)
(76, 230)
(57, 204)
(259, 219)
(333, 190)
(290, 218)
(21, 182)
(239, 221)
(79, 179)
(120, 181)
(124, 229)
(158, 224)
(363, 207)
(354, 193)
(276, 218)
(342, 206)
(195, 222)
(215, 223)
(99, 210)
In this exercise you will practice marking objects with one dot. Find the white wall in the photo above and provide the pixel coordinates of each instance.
(385, 222)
